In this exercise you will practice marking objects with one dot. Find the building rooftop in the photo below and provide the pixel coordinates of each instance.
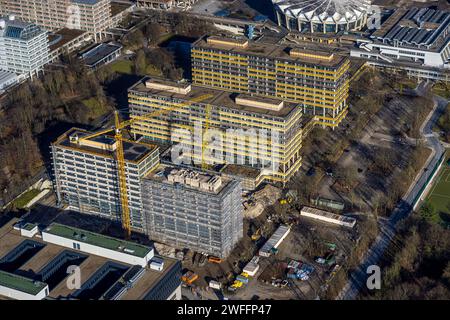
(42, 262)
(62, 37)
(93, 56)
(98, 240)
(271, 50)
(20, 283)
(119, 7)
(189, 179)
(10, 27)
(241, 171)
(424, 28)
(104, 145)
(218, 98)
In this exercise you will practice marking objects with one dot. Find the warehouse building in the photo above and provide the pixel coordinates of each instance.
(110, 269)
(318, 81)
(412, 36)
(190, 209)
(24, 47)
(260, 132)
(86, 174)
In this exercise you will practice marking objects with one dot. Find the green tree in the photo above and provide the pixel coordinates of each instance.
(428, 212)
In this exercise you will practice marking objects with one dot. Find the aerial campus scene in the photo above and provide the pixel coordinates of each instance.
(230, 150)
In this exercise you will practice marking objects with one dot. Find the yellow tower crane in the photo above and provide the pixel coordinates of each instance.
(118, 129)
(208, 109)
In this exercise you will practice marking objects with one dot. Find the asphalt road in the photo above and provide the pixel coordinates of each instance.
(358, 278)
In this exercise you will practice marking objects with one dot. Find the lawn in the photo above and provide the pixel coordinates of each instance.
(126, 67)
(24, 199)
(96, 109)
(442, 89)
(439, 196)
(122, 66)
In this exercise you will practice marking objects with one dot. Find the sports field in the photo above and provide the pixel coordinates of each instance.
(439, 195)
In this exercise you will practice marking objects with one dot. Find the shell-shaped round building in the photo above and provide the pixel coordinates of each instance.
(325, 16)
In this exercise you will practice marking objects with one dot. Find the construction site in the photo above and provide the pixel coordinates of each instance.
(283, 254)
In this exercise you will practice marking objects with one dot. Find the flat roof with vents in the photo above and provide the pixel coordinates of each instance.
(271, 50)
(98, 240)
(104, 145)
(22, 284)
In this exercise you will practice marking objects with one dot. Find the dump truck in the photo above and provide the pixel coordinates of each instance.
(189, 277)
(214, 259)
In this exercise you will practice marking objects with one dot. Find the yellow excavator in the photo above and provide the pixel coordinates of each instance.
(118, 129)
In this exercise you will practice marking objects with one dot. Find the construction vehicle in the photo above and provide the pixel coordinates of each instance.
(118, 137)
(256, 235)
(289, 197)
(214, 259)
(189, 277)
(237, 284)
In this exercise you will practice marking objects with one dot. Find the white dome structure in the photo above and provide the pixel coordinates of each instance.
(324, 16)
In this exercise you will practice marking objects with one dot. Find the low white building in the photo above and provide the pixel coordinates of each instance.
(419, 36)
(252, 267)
(7, 79)
(93, 243)
(274, 241)
(20, 288)
(328, 217)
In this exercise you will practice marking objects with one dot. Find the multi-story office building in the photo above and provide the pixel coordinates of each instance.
(253, 131)
(24, 47)
(93, 16)
(318, 81)
(190, 209)
(86, 174)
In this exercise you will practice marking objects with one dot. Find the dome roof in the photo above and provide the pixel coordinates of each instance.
(339, 11)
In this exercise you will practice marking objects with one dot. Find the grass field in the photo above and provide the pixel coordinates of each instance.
(439, 195)
(24, 199)
(122, 66)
